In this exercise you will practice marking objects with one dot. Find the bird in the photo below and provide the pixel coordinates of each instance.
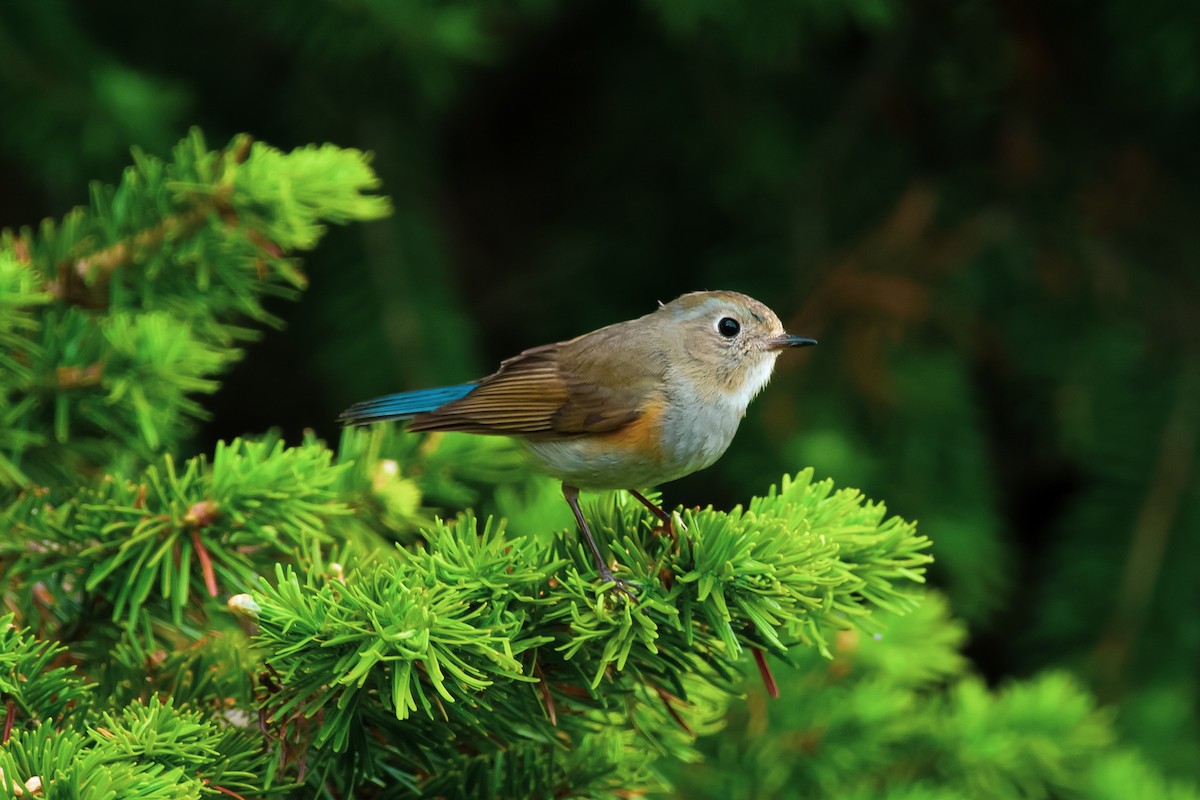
(633, 404)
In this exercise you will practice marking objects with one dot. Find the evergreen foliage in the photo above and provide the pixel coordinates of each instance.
(896, 715)
(408, 616)
(151, 286)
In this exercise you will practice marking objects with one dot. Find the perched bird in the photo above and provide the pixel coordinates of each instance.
(630, 405)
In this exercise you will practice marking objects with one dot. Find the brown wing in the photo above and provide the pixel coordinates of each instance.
(556, 391)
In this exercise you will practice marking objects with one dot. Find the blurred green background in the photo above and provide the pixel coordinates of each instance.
(986, 211)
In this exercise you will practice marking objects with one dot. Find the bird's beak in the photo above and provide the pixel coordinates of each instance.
(787, 340)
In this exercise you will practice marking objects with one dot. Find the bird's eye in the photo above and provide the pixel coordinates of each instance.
(728, 327)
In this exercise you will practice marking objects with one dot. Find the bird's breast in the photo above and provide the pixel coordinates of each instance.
(698, 430)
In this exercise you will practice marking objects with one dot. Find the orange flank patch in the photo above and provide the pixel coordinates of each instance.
(643, 435)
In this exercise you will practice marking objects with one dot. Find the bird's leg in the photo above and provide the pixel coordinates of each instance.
(571, 493)
(668, 524)
(654, 509)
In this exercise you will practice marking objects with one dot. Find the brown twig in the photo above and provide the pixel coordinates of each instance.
(10, 716)
(206, 566)
(221, 789)
(79, 377)
(546, 697)
(1152, 527)
(764, 669)
(667, 699)
(72, 275)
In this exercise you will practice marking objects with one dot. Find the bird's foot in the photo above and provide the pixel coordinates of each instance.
(666, 529)
(623, 586)
(673, 525)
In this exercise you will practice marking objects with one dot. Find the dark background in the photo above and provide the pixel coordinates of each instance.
(986, 212)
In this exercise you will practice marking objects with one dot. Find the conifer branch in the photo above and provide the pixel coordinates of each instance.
(404, 617)
(112, 319)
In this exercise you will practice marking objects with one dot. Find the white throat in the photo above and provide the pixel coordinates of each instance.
(755, 379)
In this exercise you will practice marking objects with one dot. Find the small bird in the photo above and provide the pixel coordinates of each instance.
(630, 405)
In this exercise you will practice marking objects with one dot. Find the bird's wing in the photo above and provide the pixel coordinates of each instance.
(551, 392)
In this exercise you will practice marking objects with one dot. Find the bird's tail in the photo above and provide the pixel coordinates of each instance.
(402, 405)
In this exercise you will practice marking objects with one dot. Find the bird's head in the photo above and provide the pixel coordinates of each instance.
(727, 342)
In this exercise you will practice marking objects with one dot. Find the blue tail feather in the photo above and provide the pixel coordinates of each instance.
(403, 405)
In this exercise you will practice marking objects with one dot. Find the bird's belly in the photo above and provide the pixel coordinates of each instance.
(591, 463)
(635, 456)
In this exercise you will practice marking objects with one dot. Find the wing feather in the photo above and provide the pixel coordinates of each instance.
(558, 391)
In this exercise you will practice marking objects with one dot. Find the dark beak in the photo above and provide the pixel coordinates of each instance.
(787, 340)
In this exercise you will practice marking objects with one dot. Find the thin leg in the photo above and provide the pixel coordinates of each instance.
(663, 516)
(571, 493)
(668, 524)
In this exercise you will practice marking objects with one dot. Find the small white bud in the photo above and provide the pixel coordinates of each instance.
(386, 470)
(244, 606)
(33, 787)
(239, 718)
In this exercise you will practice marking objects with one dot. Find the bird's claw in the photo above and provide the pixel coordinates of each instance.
(623, 586)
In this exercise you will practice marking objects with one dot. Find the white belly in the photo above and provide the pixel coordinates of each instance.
(687, 442)
(585, 465)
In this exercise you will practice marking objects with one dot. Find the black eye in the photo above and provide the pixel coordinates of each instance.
(728, 327)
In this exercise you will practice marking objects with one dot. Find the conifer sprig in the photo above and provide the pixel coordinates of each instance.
(478, 626)
(21, 298)
(33, 689)
(147, 751)
(172, 533)
(113, 319)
